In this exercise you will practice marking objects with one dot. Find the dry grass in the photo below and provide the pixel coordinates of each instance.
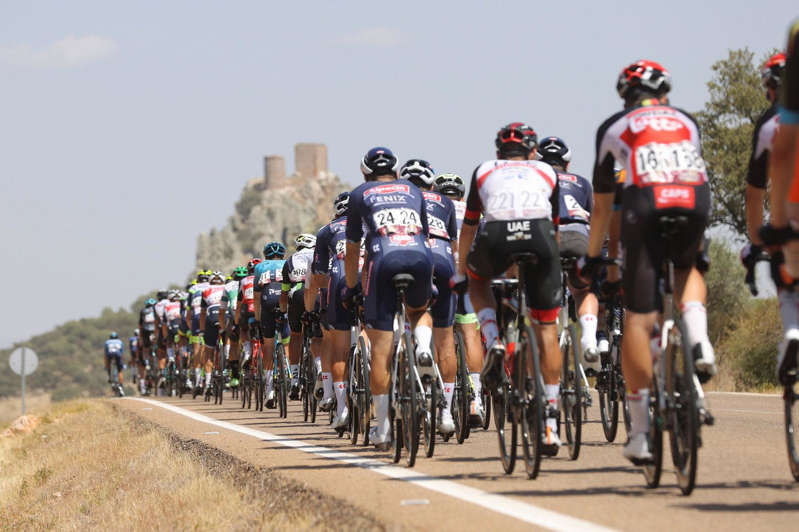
(88, 467)
(10, 407)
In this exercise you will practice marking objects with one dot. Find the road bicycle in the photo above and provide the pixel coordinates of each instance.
(610, 384)
(307, 376)
(281, 375)
(218, 375)
(677, 401)
(358, 371)
(463, 394)
(573, 383)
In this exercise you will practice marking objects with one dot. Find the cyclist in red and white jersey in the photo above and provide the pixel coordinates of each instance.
(160, 327)
(520, 201)
(659, 147)
(209, 322)
(245, 310)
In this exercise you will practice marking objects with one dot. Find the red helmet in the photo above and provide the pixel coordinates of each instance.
(516, 136)
(643, 74)
(771, 73)
(251, 265)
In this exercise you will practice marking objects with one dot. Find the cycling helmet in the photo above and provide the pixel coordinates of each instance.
(150, 302)
(419, 172)
(643, 75)
(162, 294)
(274, 249)
(240, 273)
(554, 150)
(772, 71)
(173, 295)
(252, 264)
(217, 278)
(378, 161)
(113, 336)
(203, 276)
(305, 241)
(516, 138)
(341, 202)
(135, 332)
(450, 185)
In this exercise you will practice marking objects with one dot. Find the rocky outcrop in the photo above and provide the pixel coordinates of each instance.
(297, 204)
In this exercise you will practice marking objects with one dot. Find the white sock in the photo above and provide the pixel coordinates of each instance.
(341, 396)
(227, 351)
(588, 325)
(449, 389)
(198, 378)
(478, 388)
(639, 410)
(382, 422)
(553, 395)
(247, 350)
(208, 379)
(488, 326)
(270, 382)
(141, 385)
(318, 361)
(423, 334)
(295, 373)
(327, 385)
(694, 318)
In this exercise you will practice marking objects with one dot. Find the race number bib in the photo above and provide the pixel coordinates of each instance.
(149, 318)
(397, 221)
(249, 293)
(574, 208)
(657, 163)
(437, 226)
(341, 249)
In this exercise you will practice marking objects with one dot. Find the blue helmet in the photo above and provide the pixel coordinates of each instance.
(379, 161)
(274, 249)
(150, 302)
(553, 150)
(113, 335)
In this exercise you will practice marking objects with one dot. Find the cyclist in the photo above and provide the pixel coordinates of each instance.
(268, 287)
(784, 172)
(209, 323)
(133, 344)
(172, 319)
(193, 317)
(114, 348)
(771, 75)
(392, 216)
(659, 147)
(452, 186)
(160, 327)
(443, 228)
(227, 311)
(328, 270)
(519, 198)
(244, 315)
(576, 202)
(147, 327)
(292, 303)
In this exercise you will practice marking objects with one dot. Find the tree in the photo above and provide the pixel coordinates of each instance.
(727, 122)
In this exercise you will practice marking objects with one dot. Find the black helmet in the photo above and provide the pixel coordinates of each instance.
(162, 294)
(517, 138)
(553, 150)
(340, 203)
(378, 161)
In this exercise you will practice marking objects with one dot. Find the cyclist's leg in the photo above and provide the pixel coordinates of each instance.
(574, 243)
(233, 353)
(268, 331)
(443, 313)
(197, 349)
(107, 363)
(466, 320)
(296, 307)
(120, 366)
(338, 340)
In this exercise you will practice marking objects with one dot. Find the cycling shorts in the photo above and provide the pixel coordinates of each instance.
(386, 261)
(337, 317)
(195, 324)
(115, 359)
(464, 313)
(160, 340)
(146, 338)
(490, 257)
(789, 100)
(211, 333)
(296, 307)
(443, 309)
(268, 317)
(645, 249)
(574, 244)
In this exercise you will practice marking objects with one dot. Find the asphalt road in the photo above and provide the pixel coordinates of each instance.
(743, 481)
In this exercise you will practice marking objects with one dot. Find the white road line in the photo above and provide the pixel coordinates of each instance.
(745, 394)
(527, 513)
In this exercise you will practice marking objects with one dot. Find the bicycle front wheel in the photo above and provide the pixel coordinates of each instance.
(461, 399)
(684, 434)
(607, 386)
(571, 393)
(282, 379)
(532, 401)
(364, 392)
(409, 400)
(503, 419)
(652, 471)
(429, 412)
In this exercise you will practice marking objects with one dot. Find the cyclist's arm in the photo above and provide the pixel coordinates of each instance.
(471, 219)
(354, 232)
(285, 286)
(256, 306)
(754, 212)
(317, 281)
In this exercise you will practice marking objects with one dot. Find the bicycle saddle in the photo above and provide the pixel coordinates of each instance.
(402, 281)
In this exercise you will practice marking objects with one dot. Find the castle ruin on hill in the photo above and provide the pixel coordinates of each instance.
(310, 160)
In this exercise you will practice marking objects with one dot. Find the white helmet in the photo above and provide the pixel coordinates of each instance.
(305, 241)
(418, 170)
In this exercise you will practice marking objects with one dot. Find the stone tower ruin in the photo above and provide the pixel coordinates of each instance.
(310, 159)
(274, 171)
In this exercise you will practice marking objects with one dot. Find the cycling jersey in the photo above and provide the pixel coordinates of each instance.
(331, 246)
(231, 295)
(159, 310)
(576, 200)
(392, 216)
(296, 268)
(147, 319)
(460, 211)
(268, 280)
(659, 148)
(513, 190)
(246, 295)
(210, 302)
(114, 347)
(765, 128)
(172, 315)
(133, 343)
(195, 304)
(442, 221)
(441, 217)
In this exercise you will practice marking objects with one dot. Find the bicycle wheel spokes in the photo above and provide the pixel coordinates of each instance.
(364, 392)
(571, 394)
(684, 418)
(607, 386)
(791, 399)
(410, 400)
(463, 388)
(429, 412)
(531, 401)
(500, 399)
(652, 471)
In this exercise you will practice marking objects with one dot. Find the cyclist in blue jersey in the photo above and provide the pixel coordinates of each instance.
(114, 349)
(390, 214)
(268, 278)
(328, 270)
(443, 227)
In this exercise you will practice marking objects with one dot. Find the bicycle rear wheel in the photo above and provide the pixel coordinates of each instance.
(500, 399)
(282, 380)
(429, 409)
(304, 388)
(571, 393)
(652, 471)
(364, 391)
(486, 396)
(460, 399)
(532, 401)
(790, 397)
(352, 395)
(684, 434)
(409, 400)
(608, 395)
(260, 383)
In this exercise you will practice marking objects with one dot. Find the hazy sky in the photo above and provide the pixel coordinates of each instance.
(126, 130)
